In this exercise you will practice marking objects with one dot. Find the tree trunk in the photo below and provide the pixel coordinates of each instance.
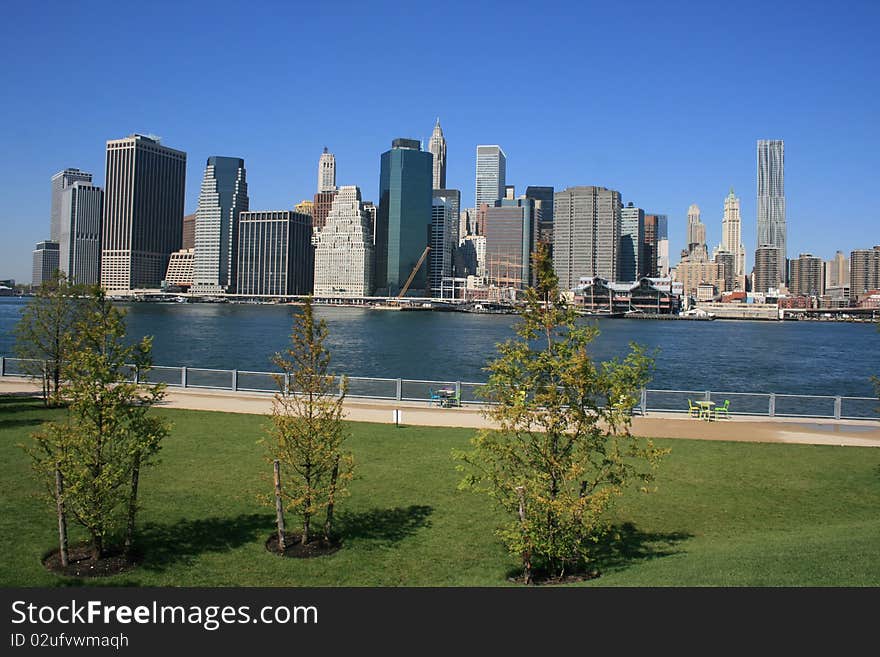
(307, 504)
(527, 553)
(132, 506)
(328, 523)
(97, 545)
(62, 517)
(279, 507)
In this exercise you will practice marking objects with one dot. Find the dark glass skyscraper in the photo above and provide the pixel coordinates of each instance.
(403, 220)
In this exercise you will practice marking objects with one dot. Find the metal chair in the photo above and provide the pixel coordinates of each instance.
(435, 397)
(693, 409)
(724, 410)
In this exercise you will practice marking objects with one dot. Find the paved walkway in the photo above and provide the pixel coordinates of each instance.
(864, 433)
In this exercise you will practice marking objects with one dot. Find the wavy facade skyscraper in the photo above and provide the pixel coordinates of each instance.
(771, 198)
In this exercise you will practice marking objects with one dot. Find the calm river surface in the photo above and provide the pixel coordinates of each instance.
(830, 358)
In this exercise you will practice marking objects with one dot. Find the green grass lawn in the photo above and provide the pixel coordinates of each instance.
(731, 514)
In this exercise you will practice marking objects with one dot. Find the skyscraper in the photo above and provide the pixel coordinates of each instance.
(586, 234)
(45, 261)
(864, 272)
(275, 253)
(731, 238)
(837, 271)
(404, 216)
(649, 247)
(327, 172)
(632, 236)
(444, 241)
(79, 239)
(807, 276)
(189, 232)
(61, 181)
(491, 174)
(545, 217)
(437, 147)
(771, 198)
(321, 206)
(143, 212)
(767, 259)
(662, 245)
(511, 231)
(344, 251)
(223, 198)
(696, 236)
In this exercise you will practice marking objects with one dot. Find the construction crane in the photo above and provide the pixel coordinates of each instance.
(412, 275)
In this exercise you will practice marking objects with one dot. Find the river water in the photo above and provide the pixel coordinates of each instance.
(819, 358)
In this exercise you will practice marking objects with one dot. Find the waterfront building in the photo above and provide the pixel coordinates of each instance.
(344, 250)
(837, 271)
(649, 254)
(511, 233)
(731, 237)
(79, 245)
(632, 236)
(321, 206)
(696, 235)
(188, 240)
(662, 245)
(444, 237)
(223, 197)
(180, 269)
(437, 148)
(45, 262)
(275, 254)
(472, 256)
(372, 211)
(327, 172)
(143, 212)
(807, 276)
(766, 275)
(771, 200)
(543, 197)
(61, 181)
(864, 272)
(647, 295)
(491, 175)
(404, 217)
(586, 234)
(693, 273)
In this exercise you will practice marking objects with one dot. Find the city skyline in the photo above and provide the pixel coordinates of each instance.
(683, 146)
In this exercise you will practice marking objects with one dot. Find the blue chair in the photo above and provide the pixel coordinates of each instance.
(435, 397)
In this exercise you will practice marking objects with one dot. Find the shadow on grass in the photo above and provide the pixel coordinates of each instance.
(625, 544)
(165, 545)
(15, 423)
(388, 525)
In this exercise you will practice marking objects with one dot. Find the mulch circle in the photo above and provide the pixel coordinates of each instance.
(550, 581)
(297, 550)
(81, 564)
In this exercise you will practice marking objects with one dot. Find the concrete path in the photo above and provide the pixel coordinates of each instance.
(862, 433)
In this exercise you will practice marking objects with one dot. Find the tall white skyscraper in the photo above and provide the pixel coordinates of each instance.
(771, 198)
(327, 172)
(696, 235)
(731, 238)
(61, 181)
(491, 174)
(437, 146)
(79, 240)
(223, 198)
(444, 238)
(344, 248)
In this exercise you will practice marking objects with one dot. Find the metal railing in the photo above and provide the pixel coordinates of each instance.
(416, 390)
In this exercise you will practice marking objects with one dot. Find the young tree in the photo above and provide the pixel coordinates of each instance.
(45, 324)
(96, 454)
(562, 450)
(307, 433)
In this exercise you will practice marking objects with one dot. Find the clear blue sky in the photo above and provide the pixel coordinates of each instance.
(661, 100)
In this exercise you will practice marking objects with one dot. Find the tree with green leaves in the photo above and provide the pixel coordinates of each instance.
(307, 433)
(92, 460)
(562, 450)
(46, 323)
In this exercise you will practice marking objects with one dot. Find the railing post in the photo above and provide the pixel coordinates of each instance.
(772, 409)
(458, 392)
(287, 383)
(341, 387)
(708, 396)
(183, 376)
(837, 404)
(2, 365)
(137, 375)
(644, 402)
(399, 389)
(234, 380)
